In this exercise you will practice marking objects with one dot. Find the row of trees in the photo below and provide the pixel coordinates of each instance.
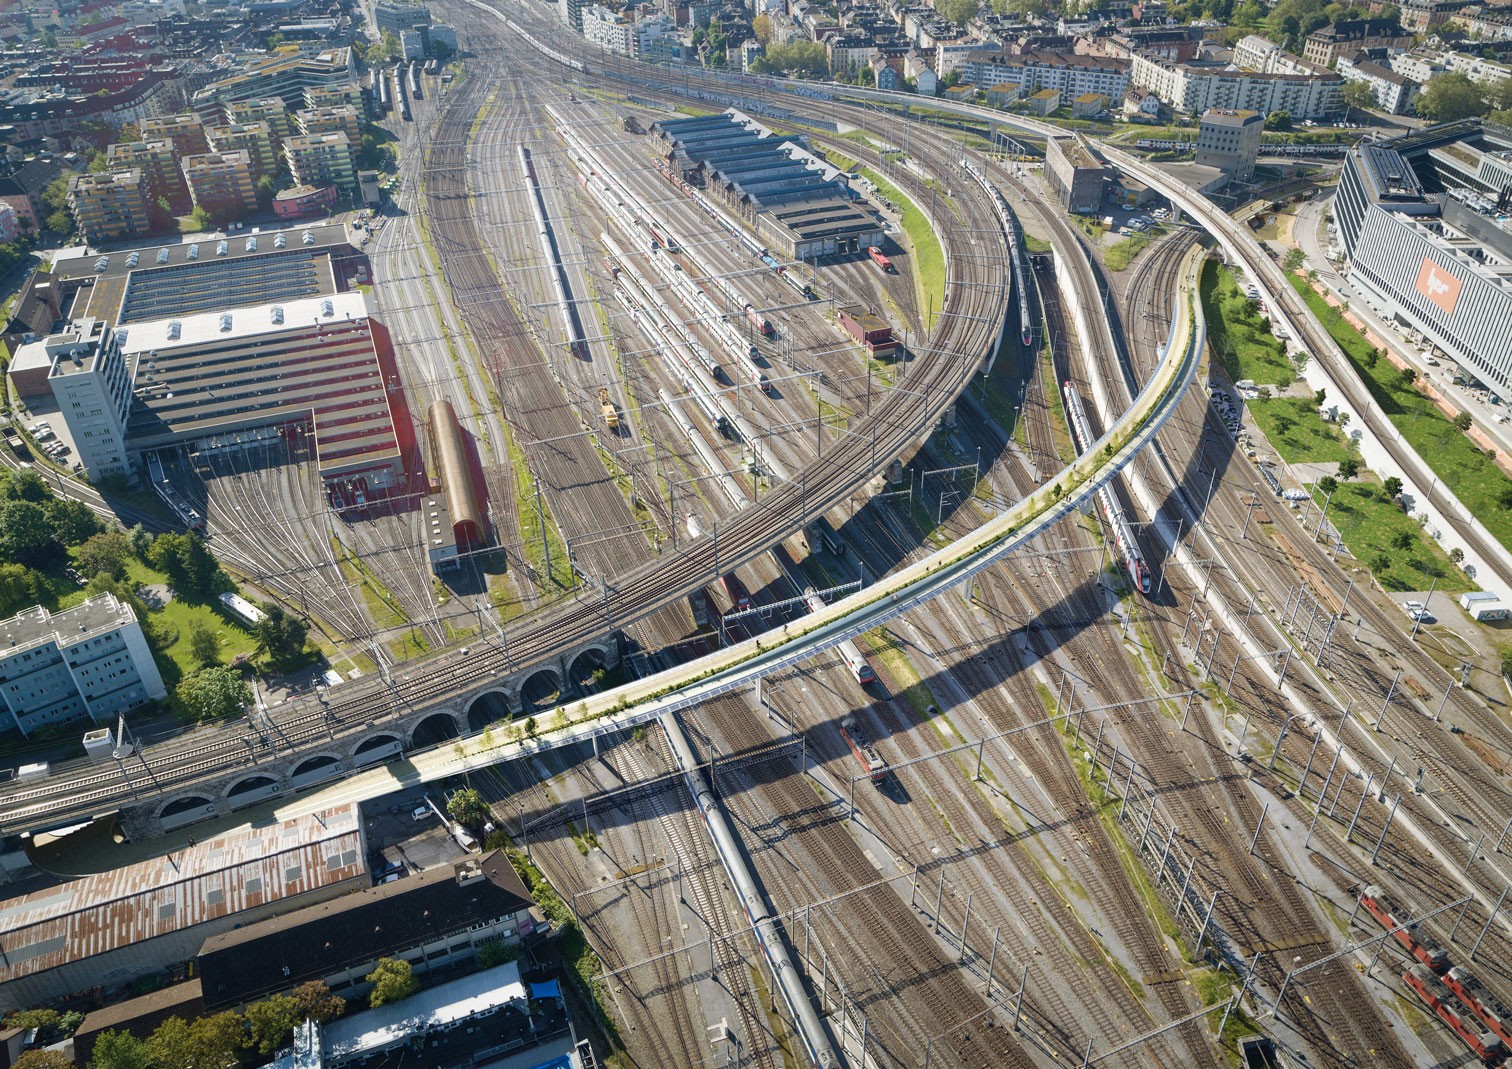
(1452, 95)
(211, 1042)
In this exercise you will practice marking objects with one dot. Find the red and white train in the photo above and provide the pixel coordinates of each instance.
(861, 747)
(1448, 1008)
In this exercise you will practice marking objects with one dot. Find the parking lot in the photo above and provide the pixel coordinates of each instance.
(401, 841)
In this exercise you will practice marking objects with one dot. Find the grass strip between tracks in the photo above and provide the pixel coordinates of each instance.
(928, 253)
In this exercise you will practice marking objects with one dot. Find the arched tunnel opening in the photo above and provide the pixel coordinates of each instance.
(540, 691)
(487, 709)
(434, 730)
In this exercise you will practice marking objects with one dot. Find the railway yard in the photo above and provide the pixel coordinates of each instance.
(1164, 778)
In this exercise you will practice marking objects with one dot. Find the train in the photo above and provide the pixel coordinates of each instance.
(821, 1055)
(1113, 513)
(381, 90)
(1016, 253)
(759, 321)
(822, 534)
(1163, 145)
(855, 660)
(576, 344)
(735, 590)
(414, 79)
(861, 748)
(1492, 1012)
(1448, 1008)
(1414, 940)
(880, 259)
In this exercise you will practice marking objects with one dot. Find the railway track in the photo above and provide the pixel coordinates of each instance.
(895, 426)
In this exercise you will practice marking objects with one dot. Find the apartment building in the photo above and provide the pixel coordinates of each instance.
(342, 117)
(322, 160)
(186, 132)
(1194, 88)
(1070, 74)
(270, 110)
(90, 661)
(1325, 46)
(159, 167)
(222, 183)
(109, 205)
(255, 139)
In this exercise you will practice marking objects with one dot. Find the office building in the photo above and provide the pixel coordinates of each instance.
(395, 18)
(159, 167)
(1230, 141)
(255, 139)
(1076, 174)
(186, 132)
(88, 662)
(322, 160)
(222, 183)
(1442, 267)
(109, 205)
(128, 924)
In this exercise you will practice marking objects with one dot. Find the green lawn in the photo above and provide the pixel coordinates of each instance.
(168, 628)
(1475, 479)
(1370, 524)
(929, 257)
(1307, 438)
(1118, 255)
(1240, 339)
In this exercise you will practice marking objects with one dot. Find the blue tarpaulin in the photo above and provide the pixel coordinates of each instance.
(547, 990)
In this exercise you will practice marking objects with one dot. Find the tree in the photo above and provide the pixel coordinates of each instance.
(492, 952)
(467, 807)
(26, 533)
(1380, 562)
(1283, 425)
(204, 644)
(1293, 259)
(271, 1022)
(73, 522)
(42, 1020)
(120, 1050)
(1462, 421)
(213, 693)
(59, 222)
(104, 554)
(200, 220)
(1278, 120)
(1319, 397)
(1327, 485)
(43, 1059)
(141, 540)
(1456, 556)
(280, 637)
(1357, 95)
(1450, 96)
(798, 58)
(314, 1001)
(1392, 488)
(20, 587)
(189, 566)
(1349, 467)
(392, 979)
(1402, 540)
(265, 191)
(208, 1043)
(959, 12)
(761, 26)
(1408, 376)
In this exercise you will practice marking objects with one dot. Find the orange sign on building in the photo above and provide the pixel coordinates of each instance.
(1439, 286)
